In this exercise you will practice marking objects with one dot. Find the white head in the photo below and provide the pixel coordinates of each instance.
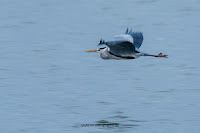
(103, 48)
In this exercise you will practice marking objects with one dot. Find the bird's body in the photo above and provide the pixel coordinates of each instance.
(106, 55)
(124, 46)
(119, 50)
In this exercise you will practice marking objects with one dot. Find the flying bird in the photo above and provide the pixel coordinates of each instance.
(125, 46)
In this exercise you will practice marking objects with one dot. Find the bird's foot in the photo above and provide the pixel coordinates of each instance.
(161, 55)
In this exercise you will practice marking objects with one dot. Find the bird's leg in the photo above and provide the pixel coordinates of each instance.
(159, 55)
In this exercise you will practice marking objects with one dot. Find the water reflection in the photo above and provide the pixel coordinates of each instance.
(121, 119)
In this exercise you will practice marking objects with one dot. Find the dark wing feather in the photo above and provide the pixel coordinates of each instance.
(121, 48)
(137, 37)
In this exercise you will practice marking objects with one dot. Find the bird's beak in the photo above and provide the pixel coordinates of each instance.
(92, 51)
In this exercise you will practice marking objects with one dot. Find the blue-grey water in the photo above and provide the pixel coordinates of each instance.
(48, 83)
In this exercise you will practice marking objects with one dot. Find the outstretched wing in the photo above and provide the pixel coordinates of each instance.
(121, 48)
(137, 37)
(124, 37)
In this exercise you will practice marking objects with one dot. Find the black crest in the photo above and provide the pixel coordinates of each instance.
(101, 41)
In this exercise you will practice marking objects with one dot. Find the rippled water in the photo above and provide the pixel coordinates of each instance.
(49, 84)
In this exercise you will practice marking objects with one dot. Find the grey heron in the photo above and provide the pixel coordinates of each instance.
(125, 46)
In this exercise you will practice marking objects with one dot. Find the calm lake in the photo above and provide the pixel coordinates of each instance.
(49, 84)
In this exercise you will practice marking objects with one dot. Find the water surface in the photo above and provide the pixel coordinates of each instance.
(49, 84)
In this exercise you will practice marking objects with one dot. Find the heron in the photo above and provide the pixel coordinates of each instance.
(125, 46)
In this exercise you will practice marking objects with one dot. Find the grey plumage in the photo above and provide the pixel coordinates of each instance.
(124, 46)
(137, 37)
(122, 49)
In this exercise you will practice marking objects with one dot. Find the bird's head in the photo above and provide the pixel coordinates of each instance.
(102, 47)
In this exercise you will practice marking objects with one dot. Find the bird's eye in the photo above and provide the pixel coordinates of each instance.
(102, 48)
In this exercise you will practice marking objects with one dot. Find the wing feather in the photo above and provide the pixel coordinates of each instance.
(121, 48)
(137, 37)
(124, 37)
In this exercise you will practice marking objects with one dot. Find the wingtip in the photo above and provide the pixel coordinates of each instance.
(130, 31)
(126, 31)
